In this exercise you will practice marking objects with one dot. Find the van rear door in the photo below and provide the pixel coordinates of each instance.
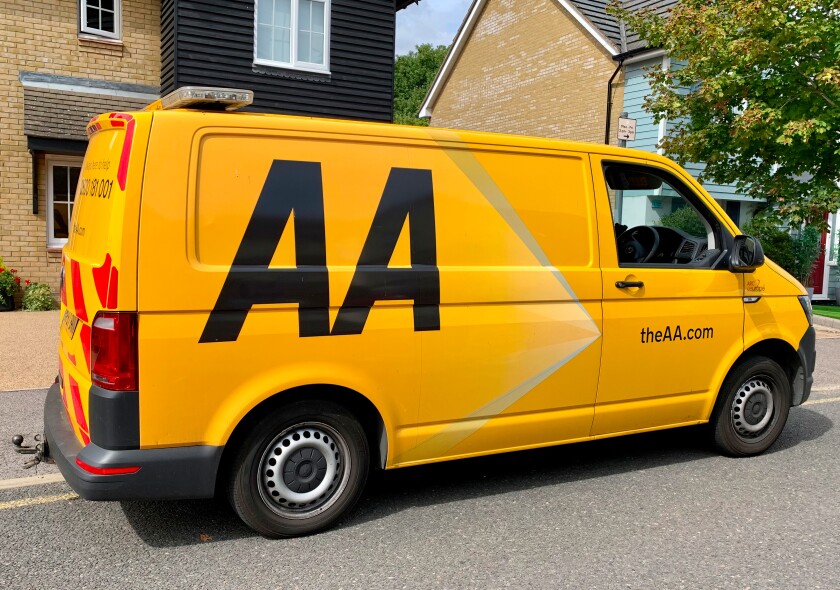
(99, 261)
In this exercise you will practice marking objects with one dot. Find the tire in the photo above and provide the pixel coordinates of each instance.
(752, 407)
(299, 470)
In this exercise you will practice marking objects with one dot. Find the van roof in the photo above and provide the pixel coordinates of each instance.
(439, 135)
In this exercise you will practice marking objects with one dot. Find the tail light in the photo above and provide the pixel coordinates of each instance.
(113, 351)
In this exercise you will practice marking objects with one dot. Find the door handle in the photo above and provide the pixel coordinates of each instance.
(629, 284)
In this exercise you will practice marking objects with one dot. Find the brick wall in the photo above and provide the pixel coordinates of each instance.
(42, 36)
(530, 68)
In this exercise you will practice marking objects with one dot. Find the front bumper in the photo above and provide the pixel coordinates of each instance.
(171, 473)
(804, 379)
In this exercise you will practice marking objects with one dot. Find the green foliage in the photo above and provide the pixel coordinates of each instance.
(9, 285)
(685, 219)
(776, 242)
(758, 99)
(806, 250)
(413, 75)
(796, 252)
(38, 297)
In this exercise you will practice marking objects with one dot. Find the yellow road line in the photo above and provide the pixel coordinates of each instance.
(32, 480)
(826, 400)
(826, 388)
(35, 501)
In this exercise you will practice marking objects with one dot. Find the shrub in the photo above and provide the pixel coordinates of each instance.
(776, 242)
(9, 285)
(795, 252)
(38, 297)
(685, 219)
(806, 250)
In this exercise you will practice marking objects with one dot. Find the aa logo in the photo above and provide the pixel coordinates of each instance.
(296, 187)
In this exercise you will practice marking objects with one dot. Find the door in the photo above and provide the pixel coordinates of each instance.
(673, 312)
(515, 362)
(818, 274)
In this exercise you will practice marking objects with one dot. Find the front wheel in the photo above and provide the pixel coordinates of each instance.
(752, 408)
(299, 470)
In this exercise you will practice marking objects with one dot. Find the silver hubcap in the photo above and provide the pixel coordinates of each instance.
(304, 470)
(752, 409)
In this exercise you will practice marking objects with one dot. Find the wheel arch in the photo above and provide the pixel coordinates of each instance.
(354, 402)
(776, 350)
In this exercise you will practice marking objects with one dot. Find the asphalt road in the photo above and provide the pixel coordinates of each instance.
(658, 510)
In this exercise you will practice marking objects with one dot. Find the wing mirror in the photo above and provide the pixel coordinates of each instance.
(747, 254)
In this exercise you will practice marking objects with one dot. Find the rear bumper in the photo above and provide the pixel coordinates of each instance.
(172, 473)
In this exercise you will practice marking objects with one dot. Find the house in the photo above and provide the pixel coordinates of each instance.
(566, 69)
(64, 61)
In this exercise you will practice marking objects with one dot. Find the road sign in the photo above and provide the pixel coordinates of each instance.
(627, 129)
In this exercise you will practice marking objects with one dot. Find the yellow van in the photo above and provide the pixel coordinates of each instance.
(268, 307)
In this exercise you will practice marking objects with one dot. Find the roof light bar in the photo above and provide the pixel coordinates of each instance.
(202, 97)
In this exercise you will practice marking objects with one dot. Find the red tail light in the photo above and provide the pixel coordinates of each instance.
(113, 351)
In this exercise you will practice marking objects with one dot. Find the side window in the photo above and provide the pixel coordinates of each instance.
(100, 18)
(62, 178)
(657, 221)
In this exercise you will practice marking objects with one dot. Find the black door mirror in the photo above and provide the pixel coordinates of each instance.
(747, 254)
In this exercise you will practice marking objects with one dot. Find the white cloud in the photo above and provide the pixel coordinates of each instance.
(430, 21)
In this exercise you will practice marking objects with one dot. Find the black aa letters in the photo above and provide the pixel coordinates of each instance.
(296, 187)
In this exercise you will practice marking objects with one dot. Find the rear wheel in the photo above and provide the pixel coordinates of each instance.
(752, 408)
(299, 470)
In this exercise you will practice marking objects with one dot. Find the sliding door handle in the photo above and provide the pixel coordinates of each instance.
(629, 284)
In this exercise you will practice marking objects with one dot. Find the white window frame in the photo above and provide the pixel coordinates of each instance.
(51, 162)
(84, 28)
(295, 64)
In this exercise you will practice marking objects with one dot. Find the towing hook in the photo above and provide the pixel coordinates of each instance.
(38, 450)
(17, 441)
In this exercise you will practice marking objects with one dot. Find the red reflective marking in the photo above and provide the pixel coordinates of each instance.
(78, 294)
(106, 470)
(113, 288)
(100, 279)
(84, 334)
(122, 171)
(77, 409)
(71, 358)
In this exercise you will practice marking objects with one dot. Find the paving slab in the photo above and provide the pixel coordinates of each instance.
(28, 349)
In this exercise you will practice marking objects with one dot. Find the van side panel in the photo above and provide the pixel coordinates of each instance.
(474, 296)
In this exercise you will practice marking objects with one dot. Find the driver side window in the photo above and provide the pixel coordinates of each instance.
(655, 221)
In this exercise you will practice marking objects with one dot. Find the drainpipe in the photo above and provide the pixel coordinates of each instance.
(609, 101)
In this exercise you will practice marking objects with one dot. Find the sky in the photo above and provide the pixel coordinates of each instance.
(430, 21)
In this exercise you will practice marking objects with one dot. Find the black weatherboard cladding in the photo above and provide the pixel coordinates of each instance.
(211, 43)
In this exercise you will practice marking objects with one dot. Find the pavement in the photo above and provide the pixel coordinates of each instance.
(826, 322)
(28, 349)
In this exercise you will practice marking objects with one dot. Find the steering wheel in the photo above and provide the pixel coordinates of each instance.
(638, 244)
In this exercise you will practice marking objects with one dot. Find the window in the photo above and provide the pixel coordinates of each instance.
(658, 222)
(101, 18)
(62, 178)
(293, 34)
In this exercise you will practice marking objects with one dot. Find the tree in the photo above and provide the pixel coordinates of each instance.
(757, 98)
(413, 75)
